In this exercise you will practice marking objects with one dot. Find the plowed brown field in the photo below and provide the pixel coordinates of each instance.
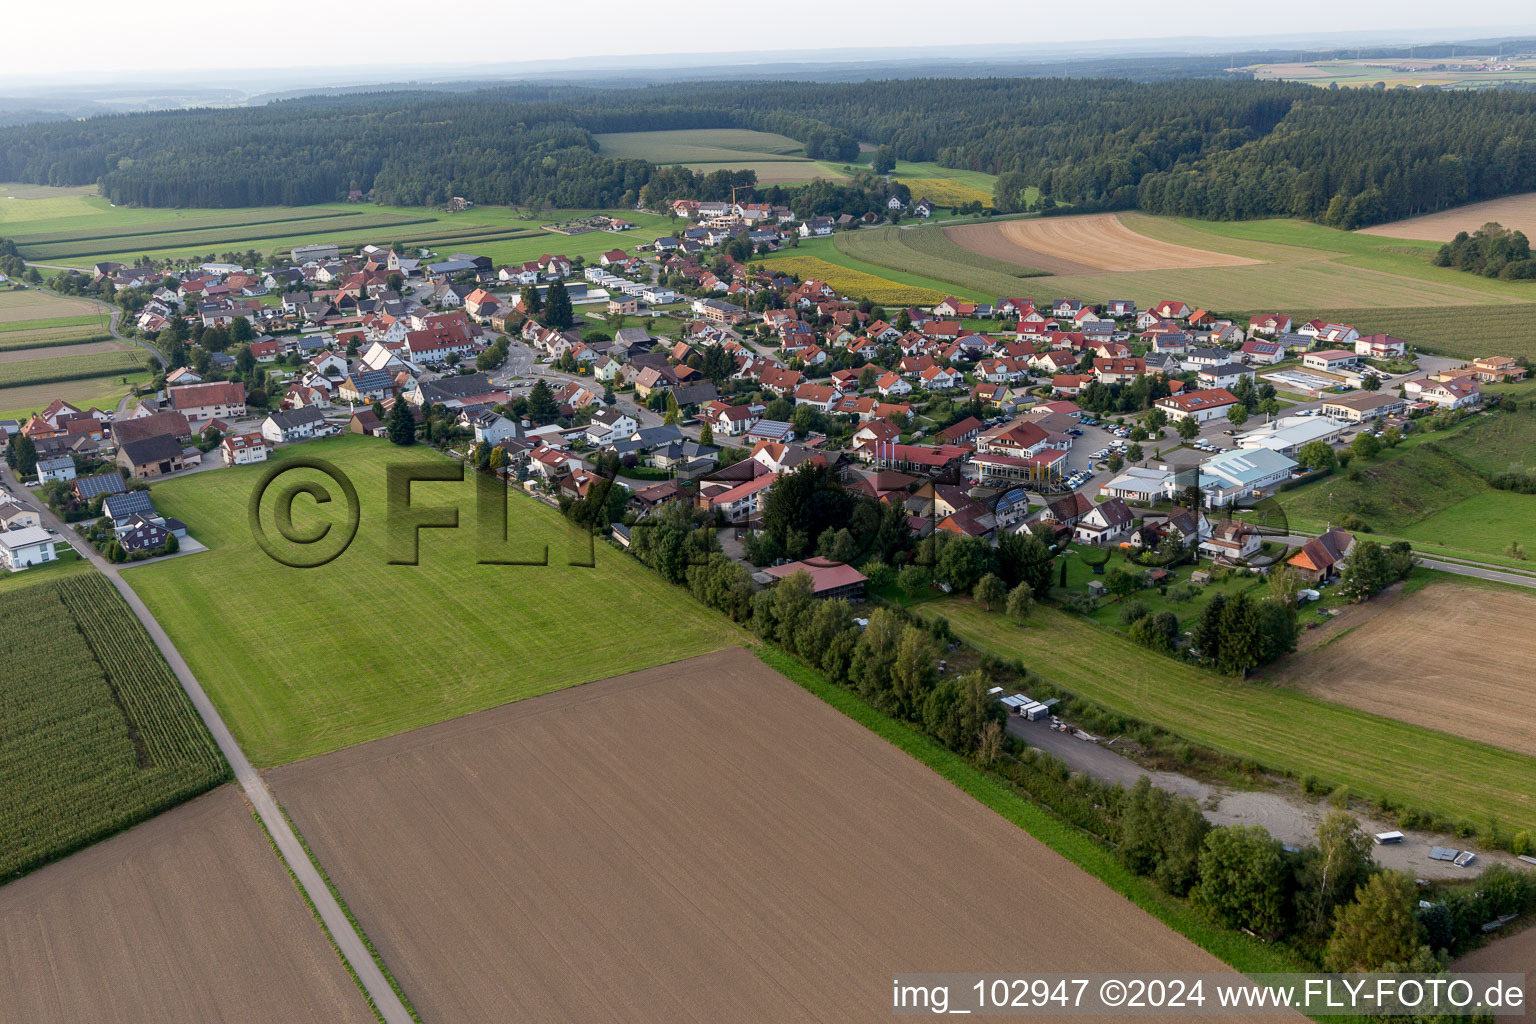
(699, 842)
(1518, 213)
(1086, 244)
(1447, 657)
(188, 917)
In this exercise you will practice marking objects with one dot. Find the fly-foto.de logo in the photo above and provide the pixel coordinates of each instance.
(320, 539)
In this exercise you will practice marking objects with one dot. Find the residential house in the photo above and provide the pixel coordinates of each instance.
(60, 468)
(1263, 353)
(1232, 541)
(98, 485)
(1381, 346)
(1226, 375)
(1118, 371)
(1105, 524)
(1321, 558)
(224, 400)
(1447, 394)
(610, 424)
(15, 515)
(25, 547)
(1270, 325)
(1201, 405)
(242, 449)
(152, 456)
(1497, 369)
(293, 425)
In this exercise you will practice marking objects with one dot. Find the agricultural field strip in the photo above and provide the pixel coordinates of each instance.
(228, 221)
(623, 819)
(1282, 730)
(109, 740)
(61, 368)
(7, 326)
(27, 340)
(1518, 213)
(220, 236)
(874, 286)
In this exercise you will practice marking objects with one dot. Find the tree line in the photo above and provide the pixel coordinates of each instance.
(1211, 149)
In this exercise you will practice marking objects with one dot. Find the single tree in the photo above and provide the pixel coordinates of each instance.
(1242, 879)
(706, 435)
(1021, 600)
(1365, 445)
(1237, 415)
(991, 592)
(1188, 428)
(557, 307)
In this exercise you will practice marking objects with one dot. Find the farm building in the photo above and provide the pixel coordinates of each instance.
(828, 579)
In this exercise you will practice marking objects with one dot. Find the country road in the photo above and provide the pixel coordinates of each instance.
(1482, 572)
(346, 937)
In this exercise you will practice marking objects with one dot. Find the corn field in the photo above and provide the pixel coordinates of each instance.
(95, 732)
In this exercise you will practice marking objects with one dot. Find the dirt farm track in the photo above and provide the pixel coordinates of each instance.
(1446, 658)
(188, 917)
(1086, 244)
(703, 841)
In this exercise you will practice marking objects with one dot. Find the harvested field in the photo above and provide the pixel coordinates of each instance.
(705, 841)
(1518, 213)
(1447, 657)
(1513, 954)
(1093, 243)
(189, 917)
(25, 304)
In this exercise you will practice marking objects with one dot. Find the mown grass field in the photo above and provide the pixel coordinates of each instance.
(51, 323)
(927, 252)
(304, 661)
(881, 287)
(1432, 490)
(96, 732)
(1281, 729)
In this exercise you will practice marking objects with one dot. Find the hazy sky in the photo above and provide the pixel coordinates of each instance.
(96, 36)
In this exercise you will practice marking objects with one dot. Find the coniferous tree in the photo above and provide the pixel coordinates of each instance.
(557, 310)
(401, 424)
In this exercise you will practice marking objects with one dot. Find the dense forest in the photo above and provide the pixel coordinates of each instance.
(1213, 149)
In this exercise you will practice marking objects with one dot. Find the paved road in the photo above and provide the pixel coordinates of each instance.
(1481, 572)
(346, 937)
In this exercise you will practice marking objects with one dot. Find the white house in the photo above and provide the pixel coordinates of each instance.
(30, 545)
(60, 468)
(610, 425)
(1198, 405)
(1225, 375)
(242, 449)
(1105, 523)
(293, 425)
